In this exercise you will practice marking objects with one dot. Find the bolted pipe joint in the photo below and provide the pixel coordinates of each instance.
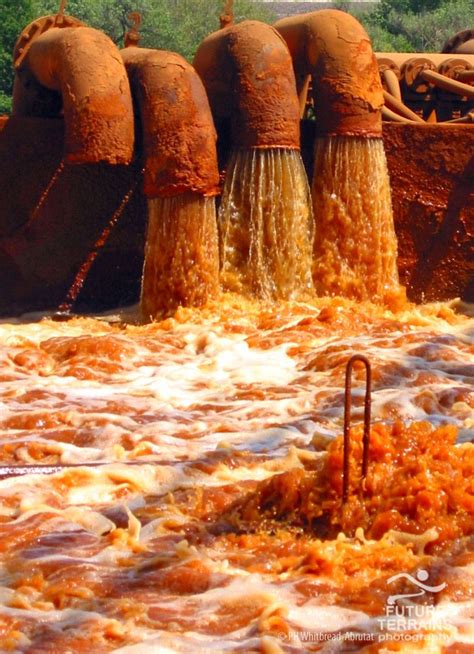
(333, 47)
(179, 138)
(246, 69)
(78, 70)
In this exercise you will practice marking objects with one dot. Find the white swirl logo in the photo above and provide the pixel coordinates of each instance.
(418, 581)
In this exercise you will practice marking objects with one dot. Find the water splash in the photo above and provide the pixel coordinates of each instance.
(266, 225)
(355, 248)
(181, 254)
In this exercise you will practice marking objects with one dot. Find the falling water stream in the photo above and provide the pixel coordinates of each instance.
(266, 225)
(355, 249)
(181, 254)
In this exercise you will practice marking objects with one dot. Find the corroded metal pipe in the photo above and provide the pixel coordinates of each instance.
(334, 48)
(398, 107)
(246, 69)
(466, 76)
(392, 82)
(78, 70)
(447, 84)
(179, 138)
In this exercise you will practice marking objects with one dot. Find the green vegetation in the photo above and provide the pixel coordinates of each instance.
(177, 25)
(180, 25)
(14, 16)
(417, 25)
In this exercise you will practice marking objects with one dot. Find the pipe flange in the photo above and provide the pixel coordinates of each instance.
(384, 63)
(458, 40)
(36, 29)
(411, 73)
(452, 67)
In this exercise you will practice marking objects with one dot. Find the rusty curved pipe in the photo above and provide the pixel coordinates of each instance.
(246, 69)
(397, 106)
(447, 84)
(393, 116)
(393, 83)
(334, 48)
(179, 138)
(80, 69)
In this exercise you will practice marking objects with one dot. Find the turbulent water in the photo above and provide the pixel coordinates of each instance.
(181, 254)
(266, 225)
(190, 415)
(355, 249)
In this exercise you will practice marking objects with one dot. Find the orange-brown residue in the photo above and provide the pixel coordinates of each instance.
(181, 257)
(355, 249)
(266, 225)
(226, 521)
(417, 480)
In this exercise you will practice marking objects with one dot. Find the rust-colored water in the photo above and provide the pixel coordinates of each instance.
(355, 248)
(266, 225)
(181, 254)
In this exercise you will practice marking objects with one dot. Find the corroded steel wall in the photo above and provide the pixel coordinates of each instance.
(44, 239)
(432, 176)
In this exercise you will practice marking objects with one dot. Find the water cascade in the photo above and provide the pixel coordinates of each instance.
(181, 264)
(180, 181)
(266, 225)
(265, 216)
(355, 251)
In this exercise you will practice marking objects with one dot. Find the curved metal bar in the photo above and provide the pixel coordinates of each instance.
(447, 84)
(227, 16)
(398, 107)
(393, 83)
(347, 422)
(388, 114)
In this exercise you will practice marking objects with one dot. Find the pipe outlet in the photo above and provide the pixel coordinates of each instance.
(246, 69)
(78, 70)
(333, 47)
(179, 138)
